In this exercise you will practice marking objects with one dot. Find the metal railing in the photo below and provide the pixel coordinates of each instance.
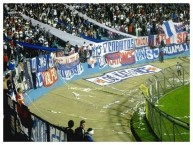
(165, 126)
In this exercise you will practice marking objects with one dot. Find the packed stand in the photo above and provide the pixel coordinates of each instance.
(64, 19)
(136, 19)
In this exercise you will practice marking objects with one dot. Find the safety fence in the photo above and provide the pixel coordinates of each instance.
(165, 126)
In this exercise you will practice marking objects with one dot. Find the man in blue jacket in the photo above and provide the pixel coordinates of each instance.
(88, 135)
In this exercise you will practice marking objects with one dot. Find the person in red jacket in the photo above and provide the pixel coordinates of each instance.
(5, 61)
(19, 96)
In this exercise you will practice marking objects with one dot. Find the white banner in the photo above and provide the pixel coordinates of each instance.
(100, 49)
(73, 40)
(117, 76)
(99, 24)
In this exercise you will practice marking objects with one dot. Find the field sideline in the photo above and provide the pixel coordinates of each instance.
(107, 109)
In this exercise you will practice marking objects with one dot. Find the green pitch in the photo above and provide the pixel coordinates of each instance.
(177, 103)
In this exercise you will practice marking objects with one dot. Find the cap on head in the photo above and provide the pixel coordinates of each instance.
(90, 131)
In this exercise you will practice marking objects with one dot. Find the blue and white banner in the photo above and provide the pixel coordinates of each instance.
(69, 73)
(33, 64)
(42, 63)
(38, 131)
(50, 61)
(27, 77)
(169, 28)
(101, 61)
(146, 53)
(68, 66)
(117, 76)
(39, 80)
(175, 49)
(179, 27)
(112, 46)
(92, 62)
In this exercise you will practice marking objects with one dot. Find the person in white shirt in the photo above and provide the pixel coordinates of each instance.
(179, 69)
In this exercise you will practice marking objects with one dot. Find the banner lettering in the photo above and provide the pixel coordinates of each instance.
(117, 76)
(121, 58)
(141, 41)
(113, 46)
(49, 77)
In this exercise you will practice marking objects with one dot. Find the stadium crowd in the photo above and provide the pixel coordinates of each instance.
(134, 19)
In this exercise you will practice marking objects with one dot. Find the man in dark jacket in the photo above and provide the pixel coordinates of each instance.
(70, 131)
(80, 132)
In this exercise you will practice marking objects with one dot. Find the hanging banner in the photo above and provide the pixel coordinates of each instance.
(101, 61)
(67, 62)
(39, 80)
(141, 41)
(49, 77)
(175, 49)
(69, 73)
(178, 39)
(42, 63)
(27, 82)
(33, 64)
(50, 61)
(92, 62)
(112, 46)
(121, 58)
(146, 53)
(69, 66)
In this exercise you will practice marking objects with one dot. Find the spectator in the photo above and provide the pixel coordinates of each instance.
(161, 56)
(179, 69)
(70, 131)
(80, 131)
(5, 61)
(88, 135)
(33, 72)
(19, 96)
(12, 65)
(10, 83)
(21, 71)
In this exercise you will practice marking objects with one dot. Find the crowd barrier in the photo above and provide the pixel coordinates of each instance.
(165, 126)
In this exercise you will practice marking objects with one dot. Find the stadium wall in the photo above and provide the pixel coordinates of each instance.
(71, 69)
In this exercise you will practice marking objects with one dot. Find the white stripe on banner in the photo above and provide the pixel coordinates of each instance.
(60, 34)
(99, 24)
(169, 28)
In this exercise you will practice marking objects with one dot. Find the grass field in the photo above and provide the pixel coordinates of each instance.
(107, 110)
(177, 103)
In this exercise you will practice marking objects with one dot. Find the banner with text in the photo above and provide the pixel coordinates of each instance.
(49, 77)
(146, 53)
(121, 58)
(141, 41)
(119, 75)
(178, 39)
(103, 48)
(69, 66)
